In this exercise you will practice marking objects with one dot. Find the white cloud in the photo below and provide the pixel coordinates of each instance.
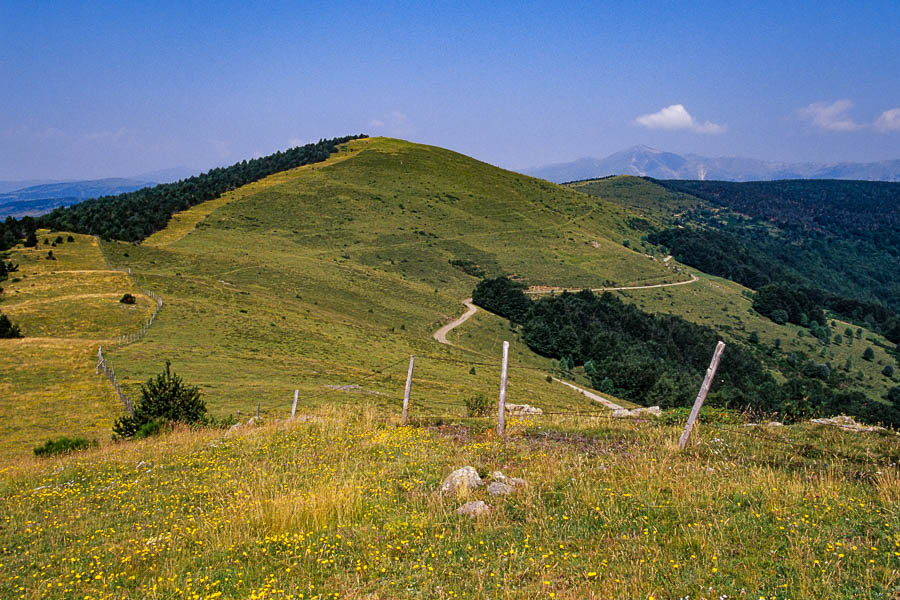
(831, 117)
(889, 120)
(394, 123)
(675, 117)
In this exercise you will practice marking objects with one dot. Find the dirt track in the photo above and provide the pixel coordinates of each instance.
(441, 334)
(546, 289)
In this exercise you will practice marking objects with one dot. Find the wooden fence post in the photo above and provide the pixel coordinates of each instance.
(294, 405)
(405, 415)
(257, 410)
(501, 405)
(701, 396)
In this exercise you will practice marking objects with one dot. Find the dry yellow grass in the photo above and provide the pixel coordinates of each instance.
(66, 309)
(346, 504)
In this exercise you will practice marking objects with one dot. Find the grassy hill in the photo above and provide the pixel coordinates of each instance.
(66, 309)
(319, 275)
(333, 274)
(725, 305)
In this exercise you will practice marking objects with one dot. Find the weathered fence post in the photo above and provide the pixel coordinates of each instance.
(701, 396)
(501, 405)
(294, 405)
(257, 410)
(405, 415)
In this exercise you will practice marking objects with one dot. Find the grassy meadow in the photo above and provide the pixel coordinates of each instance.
(66, 308)
(333, 274)
(347, 505)
(322, 275)
(723, 305)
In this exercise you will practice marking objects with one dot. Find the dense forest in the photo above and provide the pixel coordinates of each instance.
(661, 359)
(830, 206)
(836, 243)
(135, 215)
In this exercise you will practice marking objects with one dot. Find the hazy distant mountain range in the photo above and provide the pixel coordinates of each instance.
(645, 161)
(36, 197)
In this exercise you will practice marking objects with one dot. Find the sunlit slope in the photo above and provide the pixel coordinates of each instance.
(726, 306)
(339, 269)
(66, 308)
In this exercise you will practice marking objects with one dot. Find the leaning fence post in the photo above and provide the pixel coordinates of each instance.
(501, 405)
(701, 396)
(405, 415)
(294, 405)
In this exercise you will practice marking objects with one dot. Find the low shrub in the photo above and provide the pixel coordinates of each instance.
(63, 445)
(477, 405)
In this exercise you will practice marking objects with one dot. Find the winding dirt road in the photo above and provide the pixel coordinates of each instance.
(541, 289)
(441, 334)
(596, 398)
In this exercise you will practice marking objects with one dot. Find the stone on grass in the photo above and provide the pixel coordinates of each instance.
(523, 409)
(461, 480)
(510, 481)
(473, 509)
(497, 488)
(623, 413)
(847, 423)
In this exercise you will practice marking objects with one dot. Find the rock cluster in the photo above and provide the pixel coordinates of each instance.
(523, 409)
(848, 423)
(466, 479)
(623, 413)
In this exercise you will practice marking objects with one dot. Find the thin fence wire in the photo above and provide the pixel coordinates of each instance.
(138, 334)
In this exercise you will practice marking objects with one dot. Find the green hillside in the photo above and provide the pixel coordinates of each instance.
(317, 276)
(334, 273)
(755, 252)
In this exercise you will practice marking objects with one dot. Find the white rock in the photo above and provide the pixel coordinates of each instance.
(473, 509)
(512, 481)
(523, 409)
(623, 413)
(848, 423)
(497, 488)
(461, 480)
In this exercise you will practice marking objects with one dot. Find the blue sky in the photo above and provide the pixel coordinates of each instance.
(96, 89)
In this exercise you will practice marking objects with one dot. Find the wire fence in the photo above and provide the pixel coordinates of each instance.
(428, 409)
(103, 362)
(139, 333)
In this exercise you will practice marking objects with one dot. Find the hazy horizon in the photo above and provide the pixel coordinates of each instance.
(109, 90)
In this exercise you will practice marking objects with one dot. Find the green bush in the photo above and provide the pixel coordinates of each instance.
(477, 405)
(7, 329)
(127, 299)
(164, 399)
(63, 445)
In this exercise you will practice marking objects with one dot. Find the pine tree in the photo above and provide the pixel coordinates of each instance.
(7, 329)
(164, 399)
